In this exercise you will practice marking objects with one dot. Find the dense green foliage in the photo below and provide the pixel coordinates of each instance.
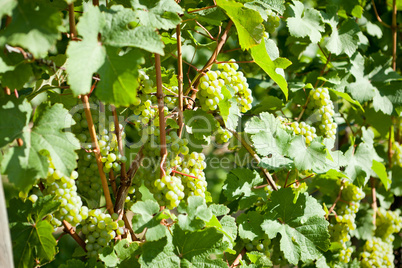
(278, 143)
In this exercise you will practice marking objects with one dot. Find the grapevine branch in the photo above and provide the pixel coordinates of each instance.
(374, 196)
(161, 106)
(296, 181)
(209, 63)
(125, 184)
(92, 132)
(70, 230)
(268, 176)
(67, 226)
(200, 9)
(179, 80)
(378, 16)
(71, 19)
(394, 29)
(119, 141)
(336, 201)
(238, 258)
(91, 127)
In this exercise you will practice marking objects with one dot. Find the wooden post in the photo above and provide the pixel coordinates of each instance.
(6, 250)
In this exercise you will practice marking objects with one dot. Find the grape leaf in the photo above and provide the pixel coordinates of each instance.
(366, 82)
(343, 38)
(381, 172)
(304, 22)
(15, 114)
(204, 262)
(250, 225)
(119, 77)
(26, 163)
(229, 109)
(117, 34)
(125, 249)
(346, 97)
(193, 215)
(219, 209)
(259, 258)
(248, 22)
(159, 254)
(302, 226)
(17, 78)
(360, 163)
(199, 244)
(7, 7)
(260, 56)
(47, 135)
(265, 143)
(364, 223)
(34, 27)
(73, 263)
(312, 157)
(275, 162)
(239, 184)
(200, 122)
(147, 215)
(33, 241)
(213, 16)
(86, 56)
(266, 122)
(157, 14)
(396, 185)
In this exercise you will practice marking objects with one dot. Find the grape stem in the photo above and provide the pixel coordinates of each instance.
(336, 200)
(20, 142)
(122, 192)
(67, 226)
(92, 132)
(179, 80)
(71, 20)
(200, 9)
(161, 106)
(268, 176)
(374, 196)
(70, 230)
(184, 174)
(309, 176)
(236, 262)
(209, 63)
(117, 132)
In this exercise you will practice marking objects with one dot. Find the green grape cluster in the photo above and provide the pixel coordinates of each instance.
(134, 193)
(168, 191)
(63, 189)
(345, 220)
(397, 156)
(236, 80)
(352, 193)
(184, 173)
(387, 223)
(89, 184)
(223, 135)
(320, 100)
(304, 129)
(99, 229)
(171, 101)
(108, 145)
(377, 253)
(272, 21)
(191, 168)
(258, 244)
(143, 109)
(210, 91)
